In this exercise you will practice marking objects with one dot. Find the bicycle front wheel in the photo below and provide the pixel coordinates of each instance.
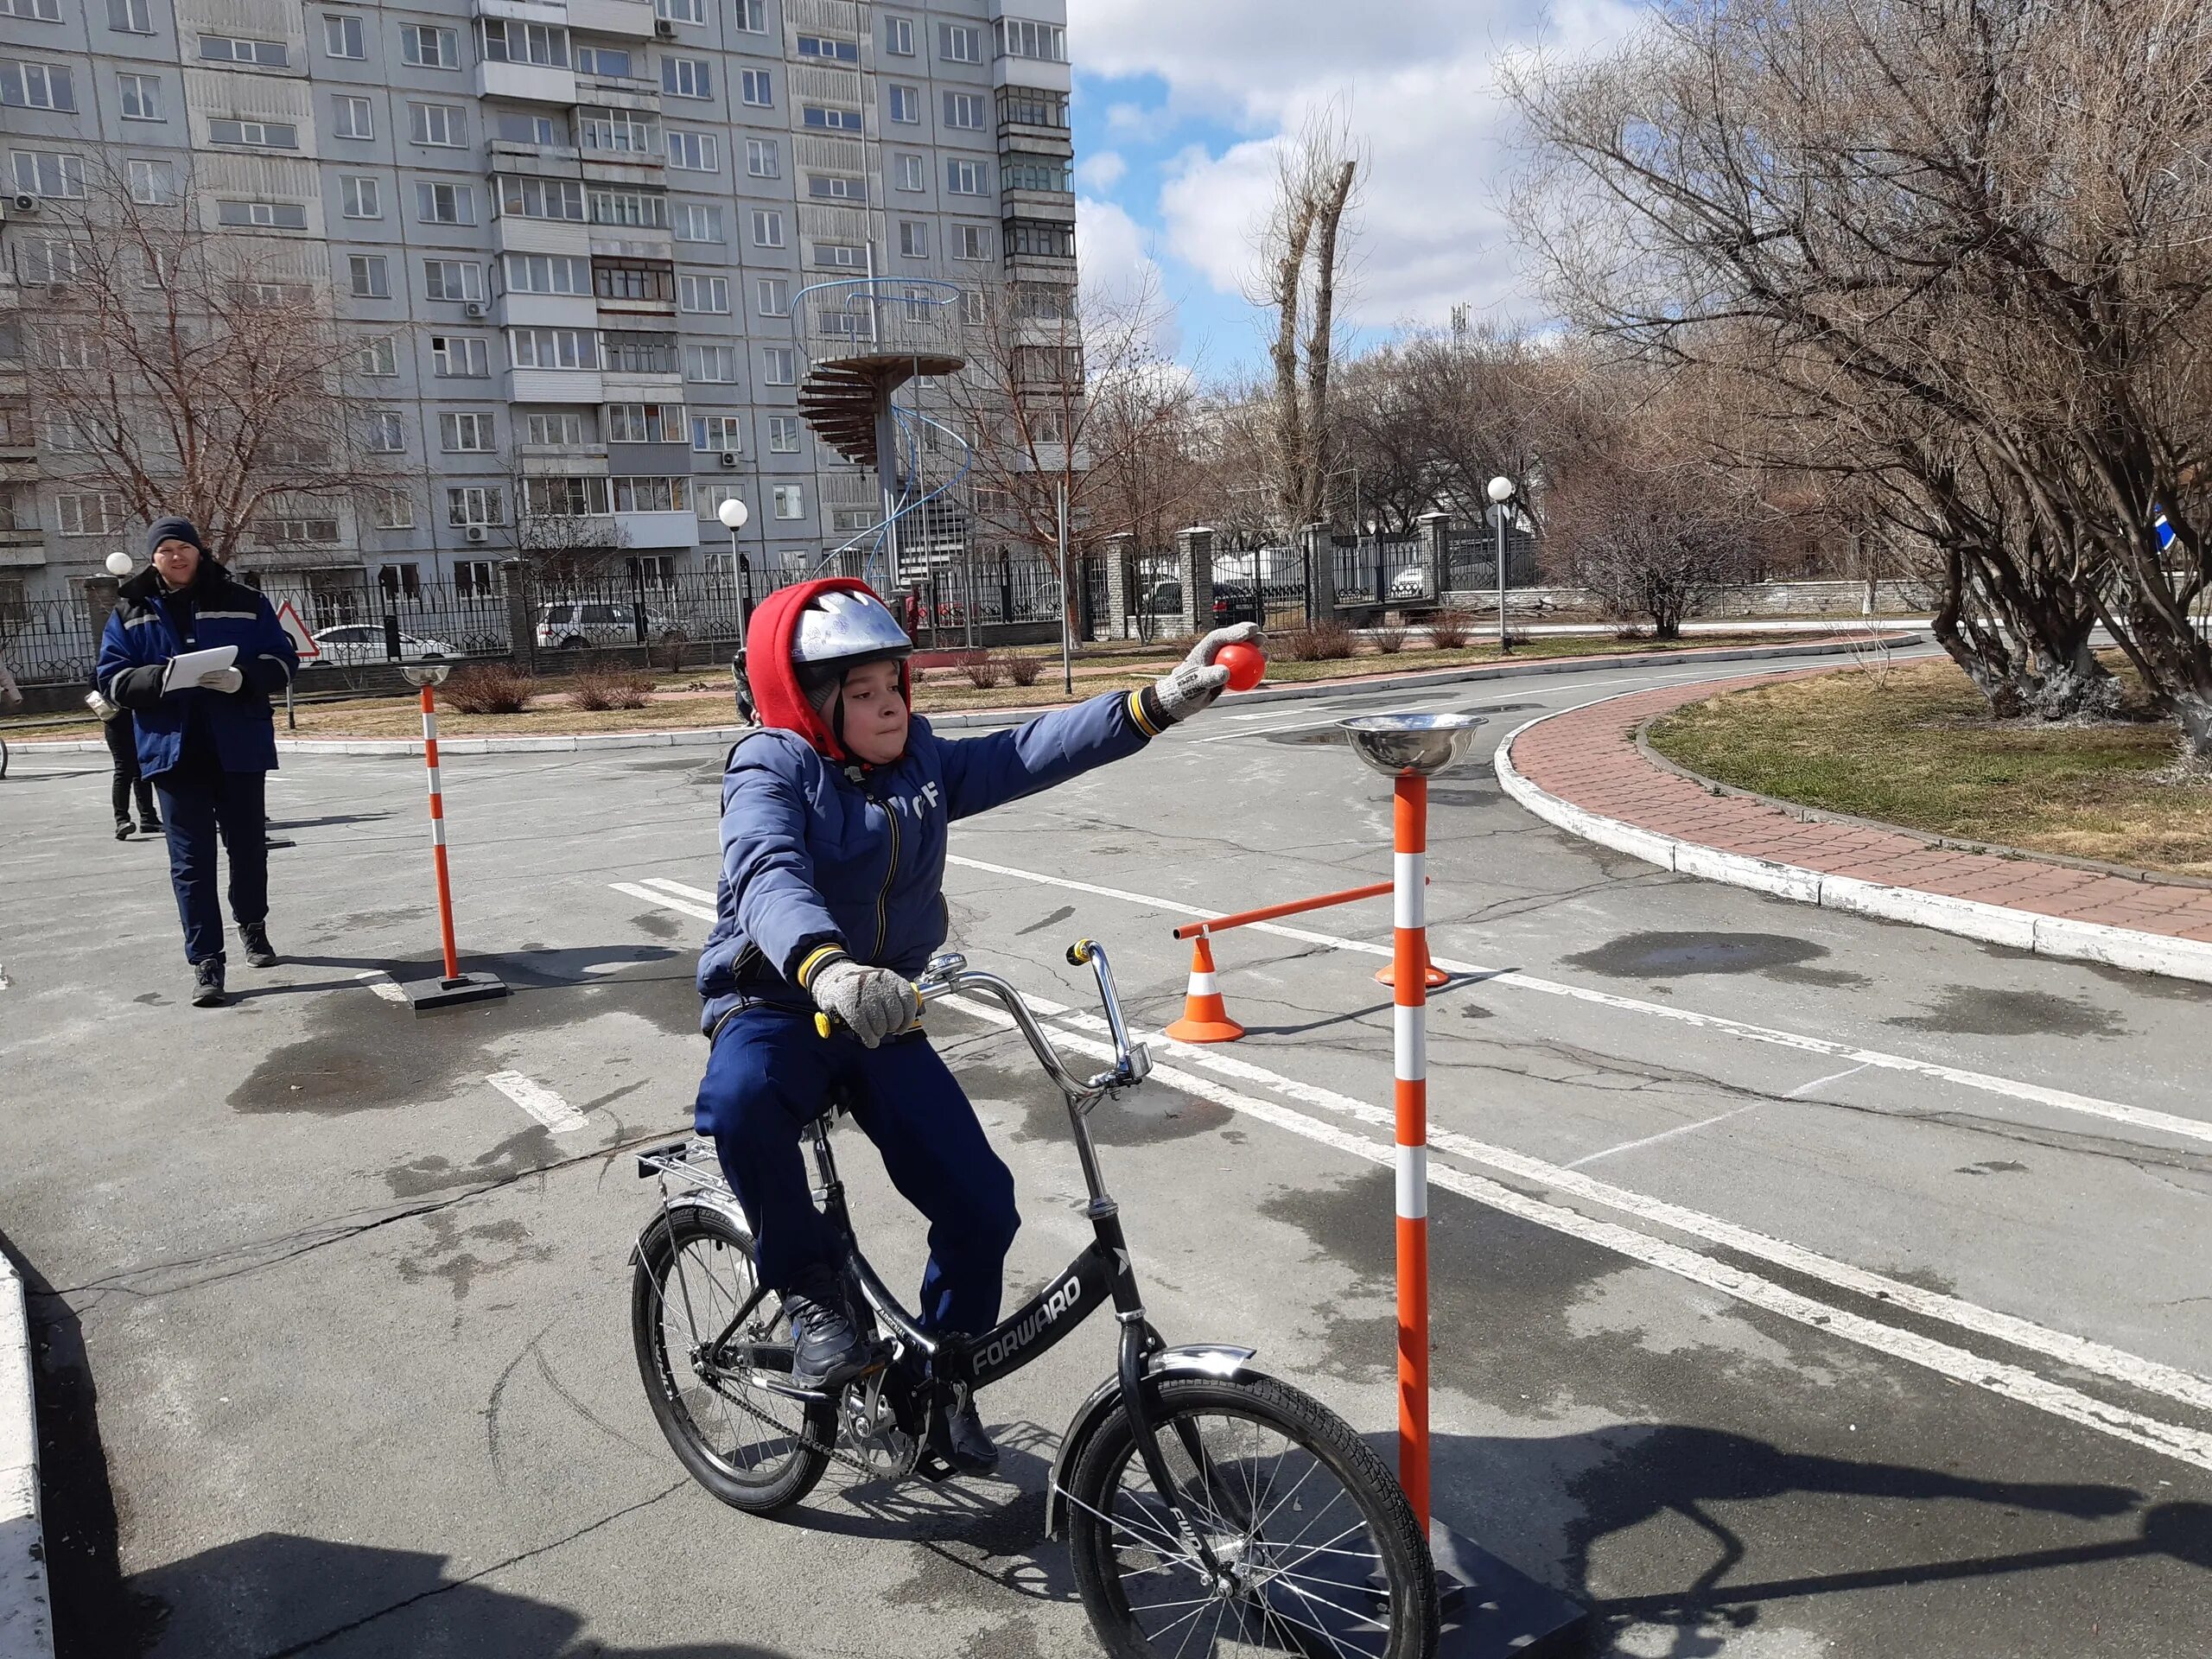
(755, 1449)
(1321, 1553)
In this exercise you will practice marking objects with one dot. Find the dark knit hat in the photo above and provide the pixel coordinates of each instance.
(165, 530)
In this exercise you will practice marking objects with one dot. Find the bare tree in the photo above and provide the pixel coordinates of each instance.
(564, 527)
(189, 369)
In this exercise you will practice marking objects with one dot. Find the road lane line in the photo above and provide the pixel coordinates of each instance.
(2036, 1094)
(383, 984)
(541, 1103)
(702, 895)
(1804, 1089)
(1664, 1135)
(663, 901)
(2010, 1381)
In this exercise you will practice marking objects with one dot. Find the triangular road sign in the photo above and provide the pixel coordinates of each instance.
(303, 641)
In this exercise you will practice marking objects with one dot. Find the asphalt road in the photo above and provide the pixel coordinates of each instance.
(1805, 1288)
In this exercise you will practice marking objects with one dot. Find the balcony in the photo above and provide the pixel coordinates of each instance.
(562, 457)
(526, 83)
(629, 168)
(628, 20)
(516, 233)
(547, 310)
(22, 546)
(1037, 204)
(554, 386)
(646, 529)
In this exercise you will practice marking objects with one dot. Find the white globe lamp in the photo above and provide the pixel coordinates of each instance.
(733, 514)
(119, 564)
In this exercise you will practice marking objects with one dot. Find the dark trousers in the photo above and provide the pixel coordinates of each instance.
(770, 1075)
(122, 749)
(200, 806)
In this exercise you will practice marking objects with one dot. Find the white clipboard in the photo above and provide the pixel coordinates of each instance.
(193, 666)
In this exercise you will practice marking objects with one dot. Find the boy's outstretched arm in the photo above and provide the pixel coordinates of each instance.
(768, 873)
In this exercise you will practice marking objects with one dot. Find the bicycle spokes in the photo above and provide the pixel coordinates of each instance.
(704, 1323)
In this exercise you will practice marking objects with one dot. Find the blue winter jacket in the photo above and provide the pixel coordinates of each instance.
(216, 609)
(817, 855)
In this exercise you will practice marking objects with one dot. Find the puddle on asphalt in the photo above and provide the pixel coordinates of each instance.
(1668, 956)
(1977, 1011)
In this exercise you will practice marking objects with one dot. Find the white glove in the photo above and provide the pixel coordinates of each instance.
(222, 679)
(1195, 682)
(873, 1002)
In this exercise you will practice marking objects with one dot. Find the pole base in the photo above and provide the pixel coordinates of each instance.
(429, 993)
(1495, 1611)
(1432, 976)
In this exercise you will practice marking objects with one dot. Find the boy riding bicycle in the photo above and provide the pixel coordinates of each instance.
(833, 822)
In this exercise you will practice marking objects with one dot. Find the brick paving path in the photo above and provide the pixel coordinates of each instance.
(1588, 758)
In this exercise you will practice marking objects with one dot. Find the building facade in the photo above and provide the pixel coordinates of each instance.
(569, 236)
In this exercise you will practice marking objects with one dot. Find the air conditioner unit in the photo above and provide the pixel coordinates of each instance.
(664, 28)
(473, 309)
(25, 202)
(730, 460)
(477, 533)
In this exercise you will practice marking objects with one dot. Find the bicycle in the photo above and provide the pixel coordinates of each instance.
(1193, 1489)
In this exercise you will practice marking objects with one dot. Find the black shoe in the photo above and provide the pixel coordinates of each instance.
(259, 953)
(123, 828)
(149, 827)
(958, 1435)
(827, 1351)
(208, 983)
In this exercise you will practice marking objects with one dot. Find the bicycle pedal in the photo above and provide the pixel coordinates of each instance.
(931, 1467)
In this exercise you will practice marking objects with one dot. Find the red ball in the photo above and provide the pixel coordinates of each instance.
(1245, 664)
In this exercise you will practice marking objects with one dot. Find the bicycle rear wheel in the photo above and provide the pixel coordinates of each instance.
(1321, 1548)
(744, 1444)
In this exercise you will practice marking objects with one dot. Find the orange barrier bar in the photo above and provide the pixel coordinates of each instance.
(1268, 912)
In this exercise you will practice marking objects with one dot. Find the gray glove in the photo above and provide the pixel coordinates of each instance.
(1195, 682)
(223, 679)
(873, 1002)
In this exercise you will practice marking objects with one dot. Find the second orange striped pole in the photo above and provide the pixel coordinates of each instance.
(1410, 1019)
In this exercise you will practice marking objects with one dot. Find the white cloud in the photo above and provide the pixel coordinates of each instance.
(1118, 267)
(1101, 171)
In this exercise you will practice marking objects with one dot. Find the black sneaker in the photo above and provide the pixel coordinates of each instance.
(827, 1351)
(259, 953)
(123, 828)
(208, 983)
(958, 1435)
(149, 827)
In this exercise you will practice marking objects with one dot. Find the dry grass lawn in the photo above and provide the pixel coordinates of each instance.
(1916, 747)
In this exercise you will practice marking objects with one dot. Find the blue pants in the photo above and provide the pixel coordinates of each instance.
(199, 805)
(770, 1075)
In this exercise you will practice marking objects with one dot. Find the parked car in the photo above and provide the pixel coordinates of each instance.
(353, 645)
(579, 625)
(1233, 602)
(1412, 583)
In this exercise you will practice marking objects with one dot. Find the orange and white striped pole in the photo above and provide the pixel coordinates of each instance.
(1409, 1021)
(438, 832)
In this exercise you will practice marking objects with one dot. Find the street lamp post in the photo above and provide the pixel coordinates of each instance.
(733, 514)
(1500, 493)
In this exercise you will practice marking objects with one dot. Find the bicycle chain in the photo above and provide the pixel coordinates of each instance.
(831, 1452)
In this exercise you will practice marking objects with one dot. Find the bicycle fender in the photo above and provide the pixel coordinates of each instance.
(726, 1207)
(1197, 1360)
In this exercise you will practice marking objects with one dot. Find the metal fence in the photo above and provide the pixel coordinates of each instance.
(46, 641)
(1471, 559)
(1370, 571)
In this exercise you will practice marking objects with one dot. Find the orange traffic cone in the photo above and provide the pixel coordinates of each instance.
(1434, 975)
(1204, 1020)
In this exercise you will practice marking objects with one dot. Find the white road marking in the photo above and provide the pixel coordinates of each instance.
(701, 894)
(665, 901)
(383, 984)
(2011, 1381)
(541, 1103)
(2036, 1094)
(1664, 1135)
(1804, 1089)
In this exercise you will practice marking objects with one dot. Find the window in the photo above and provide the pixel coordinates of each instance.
(828, 51)
(964, 179)
(523, 127)
(533, 198)
(437, 125)
(790, 500)
(612, 61)
(773, 294)
(963, 110)
(366, 274)
(342, 36)
(62, 436)
(830, 187)
(717, 434)
(459, 356)
(899, 37)
(476, 504)
(815, 115)
(506, 41)
(913, 173)
(698, 221)
(152, 184)
(386, 436)
(360, 198)
(1039, 238)
(466, 432)
(710, 363)
(445, 204)
(392, 510)
(783, 434)
(768, 228)
(623, 351)
(1021, 38)
(645, 422)
(632, 279)
(752, 16)
(452, 279)
(957, 43)
(778, 367)
(400, 580)
(707, 498)
(45, 86)
(706, 294)
(681, 12)
(763, 158)
(974, 241)
(88, 512)
(551, 348)
(905, 103)
(124, 17)
(565, 498)
(353, 117)
(1033, 106)
(429, 47)
(379, 358)
(260, 135)
(37, 11)
(1020, 172)
(617, 130)
(687, 78)
(555, 429)
(263, 215)
(652, 494)
(839, 256)
(913, 238)
(639, 208)
(476, 579)
(547, 273)
(755, 88)
(224, 48)
(694, 152)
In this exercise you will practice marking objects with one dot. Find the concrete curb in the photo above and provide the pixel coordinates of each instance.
(2022, 930)
(987, 719)
(26, 1610)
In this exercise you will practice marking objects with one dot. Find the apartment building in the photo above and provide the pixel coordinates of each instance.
(568, 237)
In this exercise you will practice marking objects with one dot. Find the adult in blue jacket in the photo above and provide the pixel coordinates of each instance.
(207, 745)
(831, 898)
